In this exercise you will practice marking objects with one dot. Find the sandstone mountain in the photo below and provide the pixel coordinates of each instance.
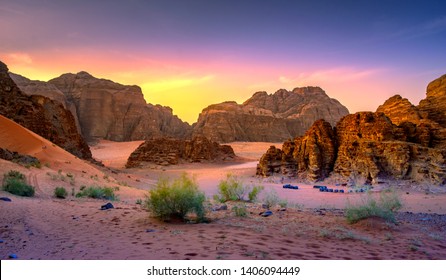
(112, 111)
(400, 141)
(168, 151)
(104, 109)
(268, 117)
(42, 115)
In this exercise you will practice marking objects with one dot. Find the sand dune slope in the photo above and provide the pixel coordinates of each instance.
(16, 138)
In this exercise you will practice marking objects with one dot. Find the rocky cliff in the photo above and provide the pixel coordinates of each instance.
(169, 151)
(433, 107)
(400, 141)
(40, 114)
(108, 110)
(33, 87)
(268, 117)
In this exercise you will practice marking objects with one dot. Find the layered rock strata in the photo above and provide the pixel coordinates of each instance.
(108, 110)
(169, 151)
(400, 141)
(268, 117)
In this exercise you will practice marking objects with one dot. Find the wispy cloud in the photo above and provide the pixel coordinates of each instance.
(328, 75)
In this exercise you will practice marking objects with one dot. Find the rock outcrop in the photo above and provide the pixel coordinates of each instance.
(169, 151)
(268, 117)
(311, 156)
(108, 110)
(34, 87)
(400, 141)
(433, 107)
(16, 157)
(40, 114)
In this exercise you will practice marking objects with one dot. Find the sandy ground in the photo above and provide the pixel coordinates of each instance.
(313, 226)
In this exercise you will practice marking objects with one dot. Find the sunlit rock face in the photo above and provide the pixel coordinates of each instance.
(108, 110)
(268, 117)
(399, 141)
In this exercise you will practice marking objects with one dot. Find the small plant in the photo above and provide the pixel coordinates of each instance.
(385, 208)
(283, 203)
(232, 188)
(97, 192)
(14, 174)
(271, 199)
(15, 182)
(176, 199)
(139, 201)
(240, 211)
(252, 195)
(60, 192)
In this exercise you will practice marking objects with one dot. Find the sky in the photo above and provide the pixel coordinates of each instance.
(192, 53)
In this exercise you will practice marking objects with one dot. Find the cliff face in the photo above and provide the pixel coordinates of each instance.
(31, 87)
(399, 141)
(108, 110)
(433, 107)
(40, 114)
(268, 117)
(168, 151)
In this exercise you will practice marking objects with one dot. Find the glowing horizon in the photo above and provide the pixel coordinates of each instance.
(191, 55)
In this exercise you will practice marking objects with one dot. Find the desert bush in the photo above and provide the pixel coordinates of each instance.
(232, 188)
(14, 174)
(15, 182)
(252, 195)
(176, 199)
(240, 210)
(60, 192)
(97, 192)
(271, 199)
(385, 207)
(18, 187)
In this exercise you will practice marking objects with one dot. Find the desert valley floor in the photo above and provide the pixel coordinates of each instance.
(312, 227)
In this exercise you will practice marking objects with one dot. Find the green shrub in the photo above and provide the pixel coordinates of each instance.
(60, 192)
(18, 187)
(14, 174)
(232, 188)
(252, 195)
(176, 199)
(97, 192)
(15, 182)
(240, 211)
(385, 208)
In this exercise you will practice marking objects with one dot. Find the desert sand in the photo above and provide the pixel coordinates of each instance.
(313, 225)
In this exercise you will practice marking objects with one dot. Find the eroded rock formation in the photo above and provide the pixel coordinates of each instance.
(169, 151)
(108, 110)
(268, 117)
(400, 141)
(40, 114)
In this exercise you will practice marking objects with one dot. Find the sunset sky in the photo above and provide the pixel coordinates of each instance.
(190, 54)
